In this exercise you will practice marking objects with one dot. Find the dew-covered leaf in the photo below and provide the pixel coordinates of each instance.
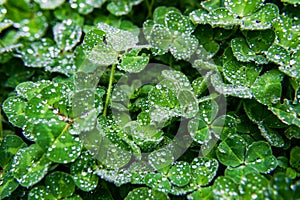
(49, 4)
(81, 6)
(121, 7)
(34, 27)
(160, 38)
(231, 151)
(259, 156)
(278, 55)
(225, 188)
(212, 5)
(243, 74)
(243, 7)
(237, 174)
(180, 174)
(146, 193)
(8, 184)
(67, 34)
(293, 132)
(14, 108)
(204, 170)
(82, 171)
(161, 158)
(40, 192)
(199, 16)
(30, 165)
(224, 126)
(244, 53)
(160, 13)
(282, 187)
(222, 17)
(39, 54)
(60, 184)
(132, 62)
(183, 46)
(177, 23)
(267, 88)
(9, 147)
(199, 131)
(273, 136)
(254, 186)
(159, 182)
(29, 89)
(204, 193)
(293, 67)
(262, 19)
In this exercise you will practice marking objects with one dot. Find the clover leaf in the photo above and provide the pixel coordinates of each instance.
(50, 4)
(144, 193)
(204, 170)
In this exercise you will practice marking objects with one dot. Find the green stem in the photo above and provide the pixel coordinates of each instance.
(111, 78)
(150, 7)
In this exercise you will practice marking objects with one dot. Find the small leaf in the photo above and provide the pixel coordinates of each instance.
(225, 188)
(204, 193)
(132, 62)
(9, 147)
(184, 46)
(14, 108)
(30, 165)
(259, 156)
(278, 55)
(292, 68)
(180, 174)
(204, 170)
(160, 38)
(244, 53)
(161, 158)
(262, 19)
(60, 184)
(231, 151)
(82, 172)
(259, 41)
(81, 6)
(221, 17)
(243, 7)
(40, 192)
(160, 13)
(237, 174)
(67, 34)
(158, 182)
(199, 16)
(295, 158)
(8, 184)
(177, 23)
(254, 186)
(49, 4)
(267, 88)
(287, 113)
(146, 193)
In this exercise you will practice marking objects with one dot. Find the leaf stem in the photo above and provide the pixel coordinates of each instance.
(1, 128)
(111, 78)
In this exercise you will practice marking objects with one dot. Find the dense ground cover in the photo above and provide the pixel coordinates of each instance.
(133, 99)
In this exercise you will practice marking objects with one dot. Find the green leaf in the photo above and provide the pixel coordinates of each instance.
(67, 34)
(259, 156)
(60, 184)
(161, 158)
(146, 193)
(273, 137)
(267, 88)
(160, 13)
(40, 192)
(14, 108)
(244, 53)
(39, 54)
(278, 55)
(9, 147)
(34, 27)
(225, 188)
(243, 7)
(241, 74)
(292, 68)
(287, 113)
(132, 62)
(29, 89)
(30, 165)
(283, 187)
(262, 19)
(49, 4)
(295, 158)
(160, 38)
(221, 17)
(81, 6)
(232, 150)
(121, 7)
(237, 174)
(8, 184)
(204, 170)
(199, 16)
(260, 40)
(82, 172)
(184, 46)
(177, 23)
(293, 132)
(158, 182)
(204, 193)
(254, 186)
(180, 174)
